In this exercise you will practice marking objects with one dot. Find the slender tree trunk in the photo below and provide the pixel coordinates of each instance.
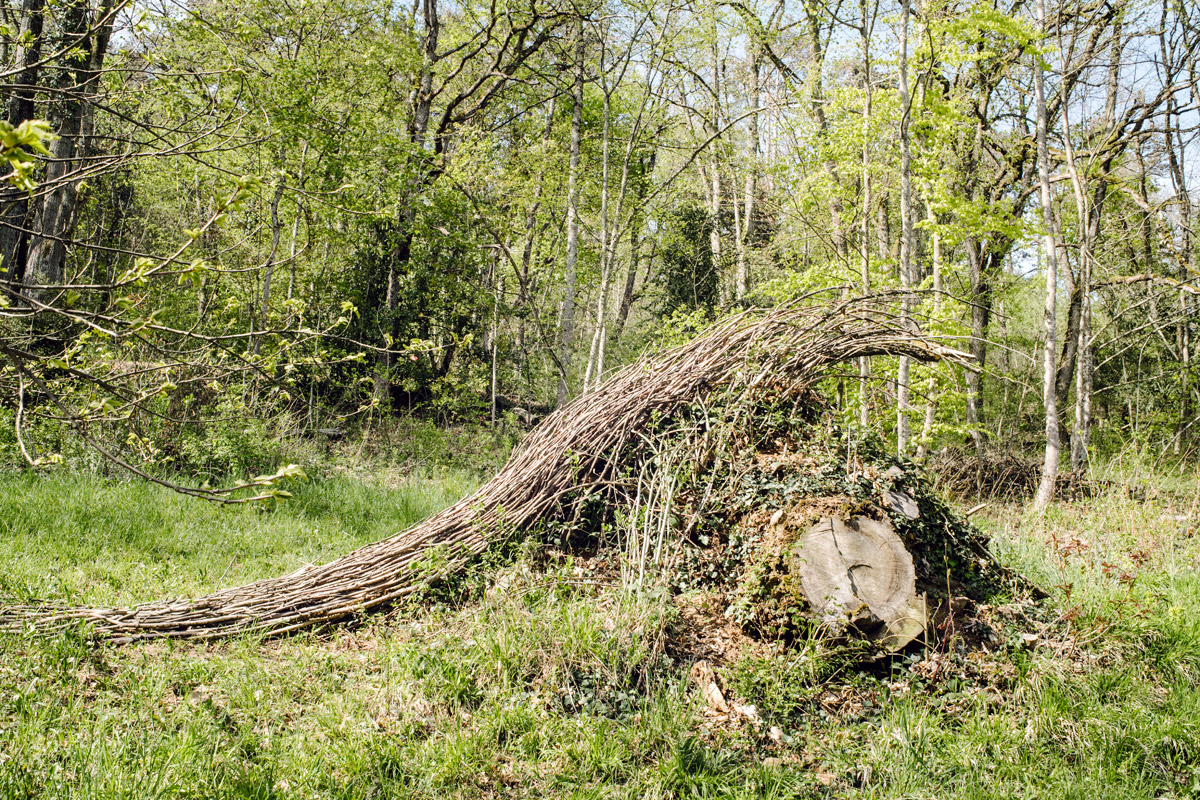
(595, 364)
(742, 275)
(497, 280)
(1176, 152)
(276, 231)
(1065, 372)
(79, 80)
(930, 402)
(883, 229)
(26, 69)
(1083, 377)
(406, 215)
(1080, 361)
(906, 233)
(567, 327)
(714, 150)
(812, 11)
(301, 210)
(1045, 492)
(864, 245)
(636, 223)
(1089, 234)
(26, 59)
(525, 296)
(980, 311)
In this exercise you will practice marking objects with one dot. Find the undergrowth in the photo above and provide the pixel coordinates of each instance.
(547, 673)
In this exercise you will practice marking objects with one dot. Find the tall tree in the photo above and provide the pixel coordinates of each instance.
(1046, 486)
(567, 324)
(907, 236)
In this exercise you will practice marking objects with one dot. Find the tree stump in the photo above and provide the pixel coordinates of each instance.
(858, 574)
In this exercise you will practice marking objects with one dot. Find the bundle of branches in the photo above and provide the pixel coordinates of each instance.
(995, 475)
(1006, 476)
(588, 446)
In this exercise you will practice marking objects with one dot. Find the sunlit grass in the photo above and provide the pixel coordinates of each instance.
(546, 686)
(80, 538)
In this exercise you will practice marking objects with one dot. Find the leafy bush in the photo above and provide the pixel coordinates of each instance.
(226, 447)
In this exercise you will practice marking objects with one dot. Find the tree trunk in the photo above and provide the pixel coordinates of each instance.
(742, 275)
(906, 233)
(406, 214)
(25, 65)
(567, 326)
(636, 223)
(301, 210)
(1186, 263)
(1089, 235)
(79, 80)
(811, 12)
(981, 303)
(1045, 492)
(864, 245)
(930, 404)
(714, 149)
(276, 230)
(859, 574)
(524, 296)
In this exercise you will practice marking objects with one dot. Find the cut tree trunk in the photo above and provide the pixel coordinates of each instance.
(859, 575)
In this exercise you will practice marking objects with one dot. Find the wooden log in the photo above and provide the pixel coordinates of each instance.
(858, 575)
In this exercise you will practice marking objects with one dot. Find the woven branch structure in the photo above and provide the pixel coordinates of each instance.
(579, 446)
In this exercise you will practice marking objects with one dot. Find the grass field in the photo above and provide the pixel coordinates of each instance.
(536, 684)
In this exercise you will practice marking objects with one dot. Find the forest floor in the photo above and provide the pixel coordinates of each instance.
(534, 677)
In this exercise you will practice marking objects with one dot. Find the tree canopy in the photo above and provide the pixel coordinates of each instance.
(303, 213)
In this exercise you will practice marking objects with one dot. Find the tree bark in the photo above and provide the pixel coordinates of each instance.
(981, 307)
(811, 13)
(1045, 492)
(78, 81)
(742, 274)
(276, 231)
(1176, 151)
(906, 234)
(421, 100)
(636, 223)
(714, 149)
(864, 245)
(930, 403)
(567, 326)
(14, 241)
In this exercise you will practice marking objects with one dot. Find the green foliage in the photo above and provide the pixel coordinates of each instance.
(272, 205)
(785, 684)
(15, 146)
(690, 279)
(225, 447)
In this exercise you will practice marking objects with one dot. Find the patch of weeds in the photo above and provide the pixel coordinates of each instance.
(448, 679)
(470, 578)
(783, 685)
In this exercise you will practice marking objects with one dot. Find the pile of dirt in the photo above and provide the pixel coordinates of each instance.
(740, 584)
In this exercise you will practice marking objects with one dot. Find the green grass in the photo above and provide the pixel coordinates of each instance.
(77, 538)
(542, 685)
